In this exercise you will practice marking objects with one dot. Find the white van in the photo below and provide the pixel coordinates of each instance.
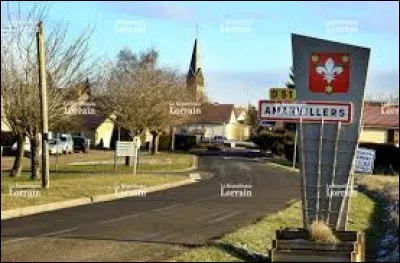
(67, 143)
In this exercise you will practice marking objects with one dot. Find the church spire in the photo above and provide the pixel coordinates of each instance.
(194, 78)
(195, 62)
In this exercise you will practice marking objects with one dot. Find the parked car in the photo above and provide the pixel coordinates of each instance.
(68, 143)
(27, 147)
(81, 144)
(219, 139)
(56, 147)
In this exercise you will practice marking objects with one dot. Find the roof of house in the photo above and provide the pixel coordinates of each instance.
(376, 115)
(239, 111)
(213, 114)
(87, 121)
(77, 91)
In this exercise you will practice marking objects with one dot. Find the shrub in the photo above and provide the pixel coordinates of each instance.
(289, 151)
(320, 232)
(185, 141)
(274, 141)
(164, 142)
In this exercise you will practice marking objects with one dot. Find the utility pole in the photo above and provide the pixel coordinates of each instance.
(43, 100)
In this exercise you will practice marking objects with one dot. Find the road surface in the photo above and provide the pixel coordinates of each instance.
(159, 225)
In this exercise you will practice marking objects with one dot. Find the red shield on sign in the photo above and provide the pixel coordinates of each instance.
(329, 72)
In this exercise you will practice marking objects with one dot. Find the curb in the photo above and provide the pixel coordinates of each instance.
(31, 210)
(283, 166)
(193, 167)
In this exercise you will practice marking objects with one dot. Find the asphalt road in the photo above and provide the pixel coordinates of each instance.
(159, 225)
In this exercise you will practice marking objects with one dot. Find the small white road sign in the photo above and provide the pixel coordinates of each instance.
(364, 162)
(125, 148)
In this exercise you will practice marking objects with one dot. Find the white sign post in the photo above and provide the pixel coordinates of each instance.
(364, 162)
(136, 146)
(125, 148)
(129, 148)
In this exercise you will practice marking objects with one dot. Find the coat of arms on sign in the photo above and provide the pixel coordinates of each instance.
(329, 72)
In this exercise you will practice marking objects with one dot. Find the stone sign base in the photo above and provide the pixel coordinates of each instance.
(293, 245)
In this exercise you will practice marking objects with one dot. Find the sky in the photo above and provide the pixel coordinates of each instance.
(245, 47)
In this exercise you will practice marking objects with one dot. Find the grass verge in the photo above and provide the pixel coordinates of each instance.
(99, 162)
(69, 186)
(384, 189)
(244, 243)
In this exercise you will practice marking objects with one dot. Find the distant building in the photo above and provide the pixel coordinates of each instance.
(96, 127)
(380, 123)
(241, 114)
(5, 127)
(216, 120)
(89, 123)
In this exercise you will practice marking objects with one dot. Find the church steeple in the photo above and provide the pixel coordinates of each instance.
(195, 62)
(194, 78)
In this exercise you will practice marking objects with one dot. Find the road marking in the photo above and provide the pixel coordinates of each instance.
(226, 216)
(58, 232)
(137, 214)
(118, 219)
(168, 207)
(255, 159)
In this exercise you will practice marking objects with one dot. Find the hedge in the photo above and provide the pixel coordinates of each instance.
(185, 141)
(164, 142)
(275, 141)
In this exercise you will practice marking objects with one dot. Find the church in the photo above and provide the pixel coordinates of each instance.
(215, 119)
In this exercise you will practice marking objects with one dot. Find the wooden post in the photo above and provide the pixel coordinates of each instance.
(43, 99)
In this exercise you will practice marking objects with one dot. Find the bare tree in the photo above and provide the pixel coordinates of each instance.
(139, 94)
(169, 88)
(67, 64)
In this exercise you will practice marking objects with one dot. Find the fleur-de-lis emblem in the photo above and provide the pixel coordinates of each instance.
(329, 71)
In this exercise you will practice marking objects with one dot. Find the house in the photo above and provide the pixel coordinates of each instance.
(5, 127)
(7, 137)
(240, 113)
(380, 123)
(96, 127)
(216, 120)
(85, 120)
